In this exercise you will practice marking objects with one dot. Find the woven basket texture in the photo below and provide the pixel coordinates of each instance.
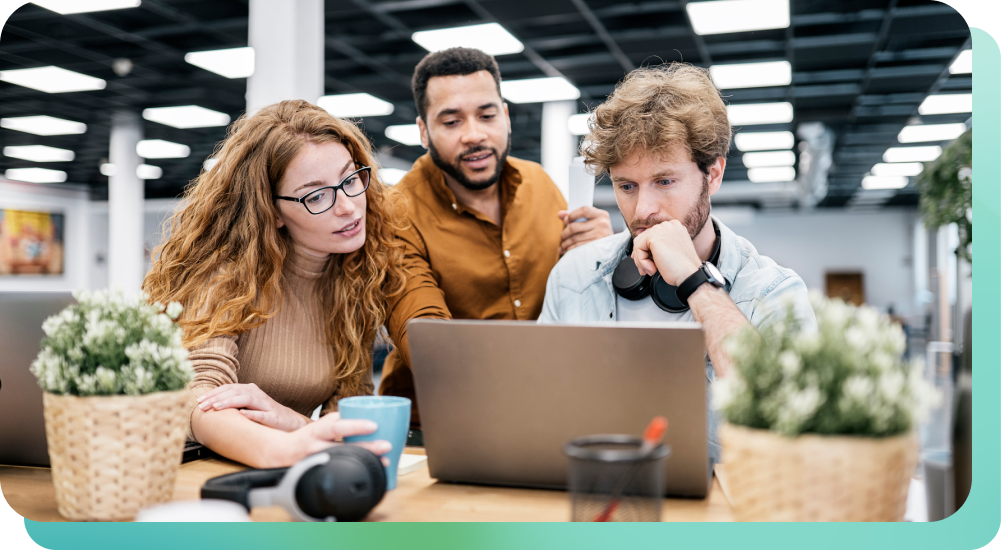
(817, 477)
(113, 455)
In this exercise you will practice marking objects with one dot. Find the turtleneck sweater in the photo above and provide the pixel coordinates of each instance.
(288, 357)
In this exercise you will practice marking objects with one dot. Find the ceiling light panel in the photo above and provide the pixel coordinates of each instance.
(751, 75)
(884, 182)
(186, 116)
(231, 63)
(577, 124)
(35, 175)
(53, 80)
(407, 134)
(38, 153)
(942, 104)
(539, 90)
(160, 149)
(897, 169)
(963, 63)
(43, 125)
(759, 113)
(927, 153)
(764, 141)
(148, 172)
(355, 105)
(724, 16)
(770, 175)
(391, 176)
(930, 132)
(83, 6)
(490, 38)
(769, 158)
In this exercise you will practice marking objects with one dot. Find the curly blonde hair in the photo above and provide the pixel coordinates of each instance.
(653, 108)
(224, 257)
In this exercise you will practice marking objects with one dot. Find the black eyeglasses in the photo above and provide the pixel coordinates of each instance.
(320, 200)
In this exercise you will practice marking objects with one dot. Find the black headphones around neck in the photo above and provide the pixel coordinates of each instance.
(342, 483)
(629, 284)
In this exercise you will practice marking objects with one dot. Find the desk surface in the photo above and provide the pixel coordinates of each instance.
(417, 497)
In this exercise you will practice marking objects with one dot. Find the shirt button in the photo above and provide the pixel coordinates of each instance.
(517, 303)
(507, 253)
(455, 206)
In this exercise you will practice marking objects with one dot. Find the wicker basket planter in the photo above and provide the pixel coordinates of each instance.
(113, 455)
(815, 477)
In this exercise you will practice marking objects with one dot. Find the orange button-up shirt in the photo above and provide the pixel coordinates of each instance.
(461, 265)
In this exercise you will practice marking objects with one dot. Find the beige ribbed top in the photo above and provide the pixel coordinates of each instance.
(288, 357)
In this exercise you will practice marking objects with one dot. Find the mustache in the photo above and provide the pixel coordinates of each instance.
(474, 149)
(647, 223)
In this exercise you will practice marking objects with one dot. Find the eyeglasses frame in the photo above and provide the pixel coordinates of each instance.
(339, 187)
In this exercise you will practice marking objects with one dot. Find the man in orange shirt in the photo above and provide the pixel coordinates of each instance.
(486, 228)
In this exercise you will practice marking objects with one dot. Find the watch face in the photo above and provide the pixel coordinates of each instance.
(715, 273)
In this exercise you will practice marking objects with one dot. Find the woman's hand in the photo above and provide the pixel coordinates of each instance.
(254, 404)
(326, 432)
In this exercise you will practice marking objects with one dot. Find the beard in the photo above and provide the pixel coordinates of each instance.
(694, 220)
(454, 168)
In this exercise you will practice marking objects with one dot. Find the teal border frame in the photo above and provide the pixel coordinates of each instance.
(973, 526)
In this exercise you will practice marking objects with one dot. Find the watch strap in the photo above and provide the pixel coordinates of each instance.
(693, 282)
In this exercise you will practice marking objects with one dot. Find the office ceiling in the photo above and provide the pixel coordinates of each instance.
(861, 67)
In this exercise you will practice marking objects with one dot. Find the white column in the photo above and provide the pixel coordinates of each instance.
(559, 146)
(287, 37)
(126, 194)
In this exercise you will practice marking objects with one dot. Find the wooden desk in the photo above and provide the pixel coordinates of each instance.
(417, 497)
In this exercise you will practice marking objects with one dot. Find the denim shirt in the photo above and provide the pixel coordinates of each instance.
(579, 290)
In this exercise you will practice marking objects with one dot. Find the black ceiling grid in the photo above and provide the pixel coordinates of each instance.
(860, 66)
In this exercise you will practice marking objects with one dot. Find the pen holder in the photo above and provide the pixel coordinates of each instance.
(611, 479)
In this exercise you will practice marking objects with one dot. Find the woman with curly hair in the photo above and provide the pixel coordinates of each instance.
(283, 255)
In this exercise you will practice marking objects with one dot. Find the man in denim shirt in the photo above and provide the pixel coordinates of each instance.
(663, 136)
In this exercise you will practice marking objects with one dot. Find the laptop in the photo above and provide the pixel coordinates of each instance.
(500, 399)
(22, 423)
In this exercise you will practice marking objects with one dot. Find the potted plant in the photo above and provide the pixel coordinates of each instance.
(819, 423)
(113, 371)
(946, 188)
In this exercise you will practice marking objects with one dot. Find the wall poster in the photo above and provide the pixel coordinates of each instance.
(31, 243)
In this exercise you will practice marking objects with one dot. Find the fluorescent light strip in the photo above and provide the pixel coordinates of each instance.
(724, 16)
(391, 176)
(210, 163)
(897, 169)
(764, 141)
(148, 172)
(490, 38)
(108, 169)
(160, 149)
(38, 153)
(759, 113)
(884, 182)
(930, 132)
(963, 63)
(66, 7)
(769, 175)
(539, 90)
(35, 175)
(355, 105)
(43, 125)
(751, 75)
(187, 116)
(926, 153)
(942, 104)
(53, 80)
(769, 158)
(407, 134)
(577, 124)
(231, 62)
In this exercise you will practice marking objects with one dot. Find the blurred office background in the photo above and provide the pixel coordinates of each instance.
(107, 114)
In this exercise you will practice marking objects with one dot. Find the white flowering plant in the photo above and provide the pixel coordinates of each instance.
(846, 377)
(112, 343)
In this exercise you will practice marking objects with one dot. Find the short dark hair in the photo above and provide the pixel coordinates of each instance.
(453, 61)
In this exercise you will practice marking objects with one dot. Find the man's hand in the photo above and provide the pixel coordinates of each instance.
(667, 248)
(254, 404)
(597, 225)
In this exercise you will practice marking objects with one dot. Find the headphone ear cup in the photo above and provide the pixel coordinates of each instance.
(666, 295)
(628, 282)
(347, 487)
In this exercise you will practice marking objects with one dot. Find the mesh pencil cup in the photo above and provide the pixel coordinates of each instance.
(611, 480)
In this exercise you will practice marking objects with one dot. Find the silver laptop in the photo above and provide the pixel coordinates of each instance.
(499, 399)
(22, 426)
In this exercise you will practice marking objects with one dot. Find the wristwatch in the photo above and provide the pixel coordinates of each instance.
(707, 273)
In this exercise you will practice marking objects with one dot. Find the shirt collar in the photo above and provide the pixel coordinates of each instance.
(510, 180)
